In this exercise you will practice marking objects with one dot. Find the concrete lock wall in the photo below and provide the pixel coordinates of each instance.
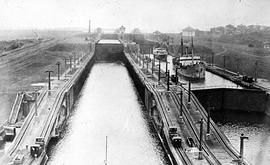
(233, 99)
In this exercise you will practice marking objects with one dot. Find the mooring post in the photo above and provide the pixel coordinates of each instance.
(189, 91)
(49, 80)
(242, 138)
(58, 70)
(168, 80)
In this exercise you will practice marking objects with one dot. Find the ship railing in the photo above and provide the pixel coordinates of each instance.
(216, 87)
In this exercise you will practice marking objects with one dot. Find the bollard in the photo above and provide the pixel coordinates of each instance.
(242, 138)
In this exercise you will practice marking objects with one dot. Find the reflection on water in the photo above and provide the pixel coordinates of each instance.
(255, 126)
(108, 106)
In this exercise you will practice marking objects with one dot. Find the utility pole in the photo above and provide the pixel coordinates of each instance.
(237, 65)
(189, 91)
(181, 106)
(153, 64)
(213, 59)
(65, 63)
(201, 138)
(224, 61)
(176, 75)
(208, 119)
(58, 70)
(168, 80)
(49, 80)
(70, 62)
(147, 62)
(166, 69)
(36, 102)
(74, 56)
(256, 70)
(143, 60)
(158, 70)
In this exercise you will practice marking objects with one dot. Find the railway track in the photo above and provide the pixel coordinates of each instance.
(217, 133)
(191, 126)
(46, 129)
(184, 158)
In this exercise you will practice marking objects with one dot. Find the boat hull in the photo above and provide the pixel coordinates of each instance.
(196, 71)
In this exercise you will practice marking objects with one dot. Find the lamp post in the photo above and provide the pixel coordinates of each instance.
(49, 80)
(58, 70)
(189, 91)
(159, 70)
(208, 120)
(168, 80)
(147, 62)
(181, 105)
(70, 62)
(176, 75)
(166, 68)
(153, 64)
(201, 137)
(213, 59)
(143, 60)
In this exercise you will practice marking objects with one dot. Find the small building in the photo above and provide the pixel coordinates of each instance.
(188, 32)
(266, 45)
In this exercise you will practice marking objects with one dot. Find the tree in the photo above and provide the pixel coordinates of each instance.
(99, 30)
(122, 29)
(136, 31)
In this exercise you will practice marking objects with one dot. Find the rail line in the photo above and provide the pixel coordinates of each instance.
(224, 141)
(191, 126)
(185, 159)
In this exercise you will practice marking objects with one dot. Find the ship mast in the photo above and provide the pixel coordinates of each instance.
(106, 150)
(182, 46)
(192, 47)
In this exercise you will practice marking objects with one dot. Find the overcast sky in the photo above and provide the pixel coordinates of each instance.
(149, 15)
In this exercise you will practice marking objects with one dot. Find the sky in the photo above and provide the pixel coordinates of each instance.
(147, 15)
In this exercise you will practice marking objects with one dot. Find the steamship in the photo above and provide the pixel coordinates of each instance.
(188, 64)
(160, 53)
